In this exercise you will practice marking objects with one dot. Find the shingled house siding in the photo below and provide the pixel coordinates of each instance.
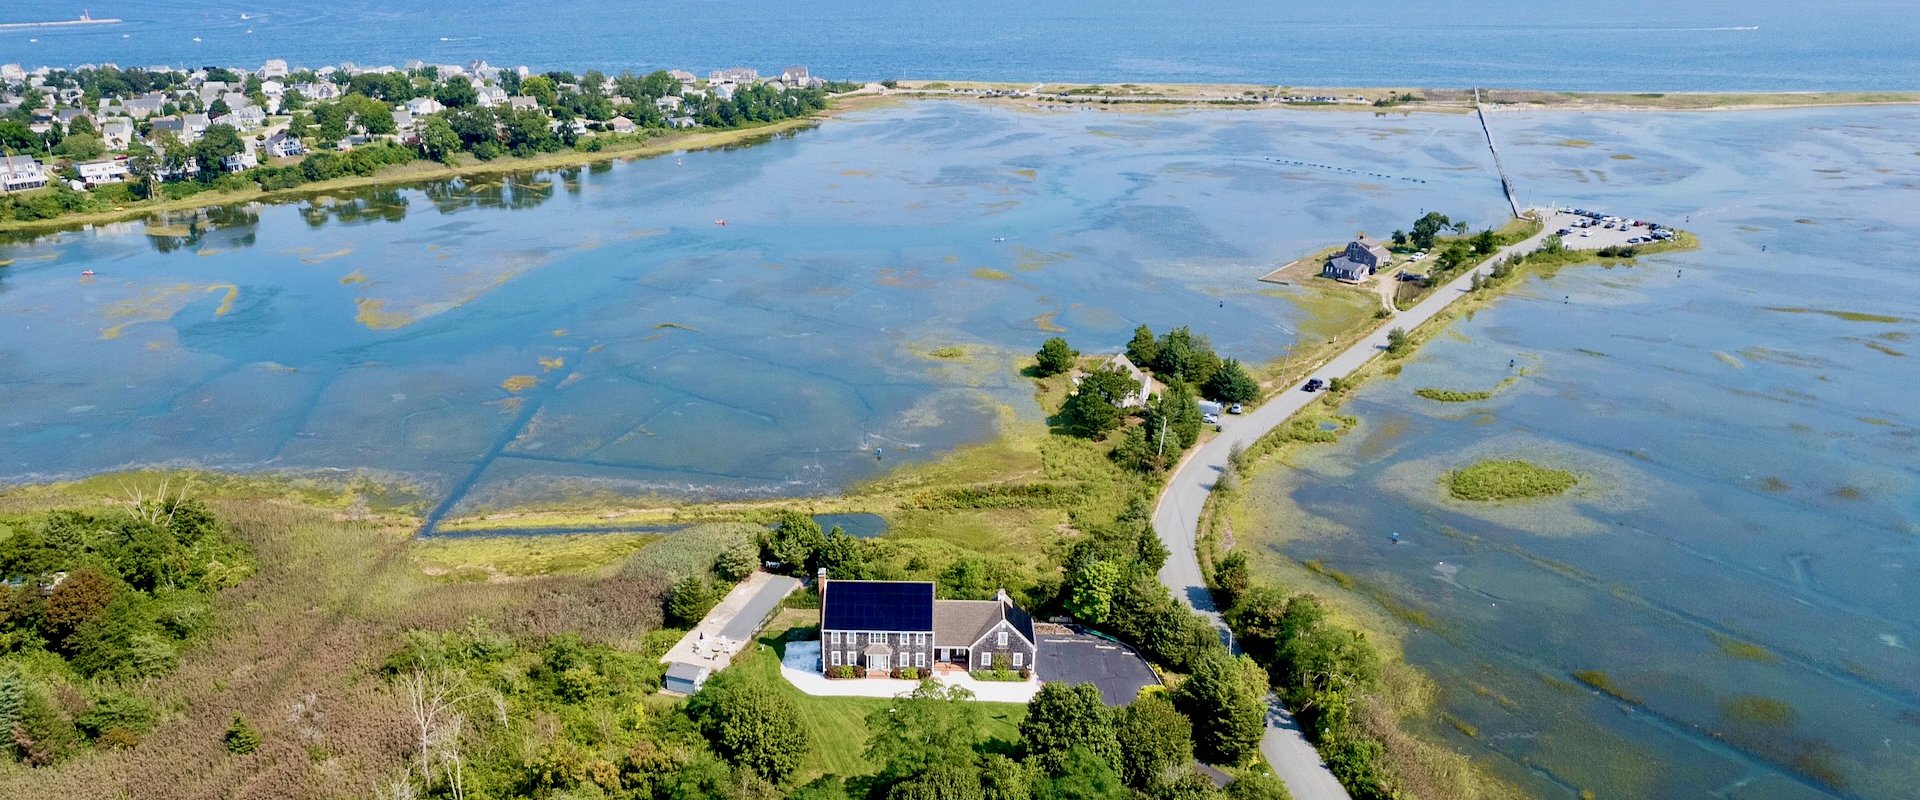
(852, 645)
(989, 646)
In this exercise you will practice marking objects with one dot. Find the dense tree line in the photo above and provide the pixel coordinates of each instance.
(91, 602)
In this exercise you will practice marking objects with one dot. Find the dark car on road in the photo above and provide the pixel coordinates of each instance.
(1314, 385)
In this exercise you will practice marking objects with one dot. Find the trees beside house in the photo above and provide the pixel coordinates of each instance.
(1055, 357)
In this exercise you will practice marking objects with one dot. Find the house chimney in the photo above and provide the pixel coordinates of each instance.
(1001, 594)
(820, 583)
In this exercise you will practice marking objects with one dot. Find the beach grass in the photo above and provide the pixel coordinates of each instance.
(493, 557)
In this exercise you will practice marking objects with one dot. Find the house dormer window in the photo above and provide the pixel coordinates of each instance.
(1000, 639)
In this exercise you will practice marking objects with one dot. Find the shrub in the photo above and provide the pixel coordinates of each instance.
(241, 739)
(998, 675)
(908, 673)
(846, 671)
(1055, 357)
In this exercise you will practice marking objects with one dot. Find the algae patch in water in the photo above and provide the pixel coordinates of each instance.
(1743, 651)
(1508, 480)
(950, 351)
(1574, 143)
(372, 314)
(519, 383)
(1622, 156)
(1850, 316)
(353, 277)
(1756, 710)
(551, 363)
(1045, 323)
(987, 274)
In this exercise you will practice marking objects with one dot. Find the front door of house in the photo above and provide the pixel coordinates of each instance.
(877, 663)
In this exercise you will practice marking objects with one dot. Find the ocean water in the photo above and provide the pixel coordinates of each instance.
(593, 331)
(1742, 560)
(1626, 45)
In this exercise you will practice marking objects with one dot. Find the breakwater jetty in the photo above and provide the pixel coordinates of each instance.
(84, 19)
(1506, 183)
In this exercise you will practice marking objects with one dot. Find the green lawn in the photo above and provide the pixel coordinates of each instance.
(838, 725)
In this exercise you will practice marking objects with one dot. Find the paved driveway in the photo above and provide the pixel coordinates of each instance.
(1075, 658)
(733, 622)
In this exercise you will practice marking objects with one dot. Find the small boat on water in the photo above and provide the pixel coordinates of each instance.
(720, 222)
(999, 238)
(86, 273)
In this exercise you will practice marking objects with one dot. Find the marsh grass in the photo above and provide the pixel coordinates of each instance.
(1508, 480)
(1603, 683)
(1452, 395)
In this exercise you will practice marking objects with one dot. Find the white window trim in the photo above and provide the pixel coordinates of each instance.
(836, 658)
(986, 659)
(1019, 657)
(834, 637)
(920, 659)
(1000, 639)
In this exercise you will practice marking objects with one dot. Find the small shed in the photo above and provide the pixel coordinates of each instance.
(683, 678)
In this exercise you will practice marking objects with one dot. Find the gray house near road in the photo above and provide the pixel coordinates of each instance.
(1361, 259)
(887, 625)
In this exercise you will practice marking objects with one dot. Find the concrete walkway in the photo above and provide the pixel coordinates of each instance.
(800, 665)
(732, 623)
(1177, 518)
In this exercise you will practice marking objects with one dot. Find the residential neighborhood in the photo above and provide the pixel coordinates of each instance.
(108, 135)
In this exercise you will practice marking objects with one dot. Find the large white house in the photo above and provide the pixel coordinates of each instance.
(20, 173)
(94, 173)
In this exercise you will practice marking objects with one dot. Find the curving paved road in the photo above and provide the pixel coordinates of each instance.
(1177, 518)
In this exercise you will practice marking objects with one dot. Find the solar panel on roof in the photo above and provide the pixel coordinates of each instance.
(878, 606)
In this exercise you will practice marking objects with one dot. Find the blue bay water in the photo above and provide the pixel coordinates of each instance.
(594, 330)
(1743, 559)
(1629, 45)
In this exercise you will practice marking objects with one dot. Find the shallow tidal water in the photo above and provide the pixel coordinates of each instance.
(592, 331)
(1741, 563)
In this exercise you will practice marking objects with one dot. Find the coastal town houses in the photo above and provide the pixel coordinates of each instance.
(145, 105)
(95, 173)
(243, 160)
(732, 75)
(621, 125)
(422, 106)
(881, 626)
(489, 96)
(244, 119)
(280, 145)
(1361, 259)
(117, 133)
(20, 173)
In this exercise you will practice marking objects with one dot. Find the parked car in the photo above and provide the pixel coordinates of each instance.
(1236, 408)
(1314, 385)
(1210, 419)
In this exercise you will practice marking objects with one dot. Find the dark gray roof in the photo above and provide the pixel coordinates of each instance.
(960, 623)
(1347, 265)
(877, 606)
(686, 672)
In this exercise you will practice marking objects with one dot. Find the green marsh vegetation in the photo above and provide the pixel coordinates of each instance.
(1508, 479)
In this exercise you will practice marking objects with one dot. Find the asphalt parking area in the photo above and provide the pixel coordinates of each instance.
(1076, 658)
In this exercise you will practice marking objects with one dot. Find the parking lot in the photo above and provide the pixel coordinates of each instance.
(1076, 658)
(1594, 230)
